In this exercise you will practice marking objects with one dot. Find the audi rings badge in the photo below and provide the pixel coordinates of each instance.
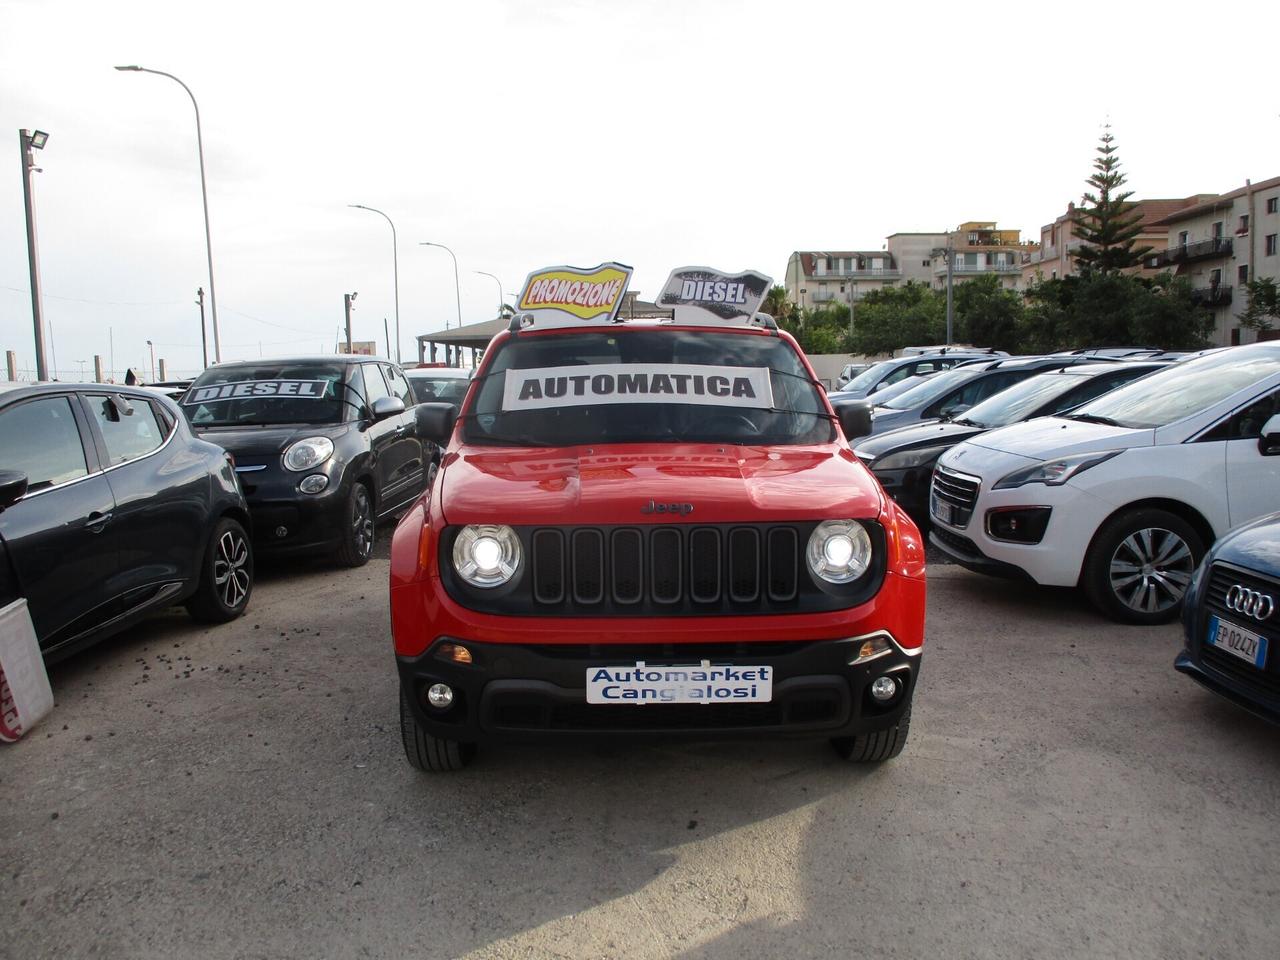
(1251, 603)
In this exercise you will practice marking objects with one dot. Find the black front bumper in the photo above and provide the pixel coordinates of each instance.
(1240, 684)
(966, 553)
(530, 692)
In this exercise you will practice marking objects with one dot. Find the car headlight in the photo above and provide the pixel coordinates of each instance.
(1054, 473)
(911, 458)
(308, 453)
(839, 551)
(486, 555)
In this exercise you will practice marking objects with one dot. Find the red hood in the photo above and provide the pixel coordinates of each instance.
(609, 484)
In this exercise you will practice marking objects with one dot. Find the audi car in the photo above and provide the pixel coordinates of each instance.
(1231, 619)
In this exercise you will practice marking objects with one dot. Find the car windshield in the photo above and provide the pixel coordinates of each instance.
(925, 393)
(869, 376)
(1017, 402)
(439, 389)
(1179, 391)
(269, 393)
(565, 389)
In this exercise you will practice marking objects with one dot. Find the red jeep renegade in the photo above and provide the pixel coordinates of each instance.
(651, 528)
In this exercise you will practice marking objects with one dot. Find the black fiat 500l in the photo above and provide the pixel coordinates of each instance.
(111, 508)
(1231, 619)
(323, 447)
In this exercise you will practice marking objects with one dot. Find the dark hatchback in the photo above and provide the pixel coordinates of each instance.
(1231, 619)
(323, 446)
(903, 459)
(110, 508)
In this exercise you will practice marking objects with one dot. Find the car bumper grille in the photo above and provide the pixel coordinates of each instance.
(959, 490)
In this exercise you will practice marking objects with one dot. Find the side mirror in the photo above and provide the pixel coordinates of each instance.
(385, 407)
(13, 487)
(435, 421)
(1269, 441)
(855, 420)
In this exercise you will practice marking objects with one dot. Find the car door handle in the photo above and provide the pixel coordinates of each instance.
(96, 521)
(400, 430)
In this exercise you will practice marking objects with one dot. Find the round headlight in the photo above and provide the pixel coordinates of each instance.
(486, 555)
(308, 453)
(839, 551)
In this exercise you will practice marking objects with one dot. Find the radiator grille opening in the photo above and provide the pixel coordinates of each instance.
(704, 565)
(588, 566)
(548, 566)
(744, 565)
(628, 566)
(665, 564)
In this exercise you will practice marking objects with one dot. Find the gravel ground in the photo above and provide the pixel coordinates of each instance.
(241, 792)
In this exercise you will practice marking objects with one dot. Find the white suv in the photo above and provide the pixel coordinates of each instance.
(1122, 496)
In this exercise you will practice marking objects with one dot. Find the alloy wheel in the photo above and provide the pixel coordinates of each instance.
(230, 573)
(1151, 569)
(362, 522)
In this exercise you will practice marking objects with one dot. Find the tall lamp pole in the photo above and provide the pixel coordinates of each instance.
(949, 251)
(457, 289)
(347, 300)
(395, 266)
(204, 196)
(204, 344)
(33, 141)
(502, 297)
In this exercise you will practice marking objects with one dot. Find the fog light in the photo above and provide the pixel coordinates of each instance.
(282, 532)
(314, 483)
(455, 652)
(884, 689)
(440, 695)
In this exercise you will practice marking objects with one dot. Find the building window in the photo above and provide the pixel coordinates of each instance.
(1217, 230)
(1242, 273)
(1244, 224)
(1269, 245)
(925, 263)
(1215, 277)
(1272, 204)
(1182, 238)
(1235, 336)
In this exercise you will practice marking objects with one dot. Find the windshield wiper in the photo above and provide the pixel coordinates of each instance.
(966, 422)
(1093, 418)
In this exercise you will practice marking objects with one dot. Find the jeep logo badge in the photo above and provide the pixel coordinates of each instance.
(684, 509)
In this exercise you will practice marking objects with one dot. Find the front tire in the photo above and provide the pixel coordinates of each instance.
(226, 579)
(357, 527)
(875, 747)
(1140, 564)
(427, 753)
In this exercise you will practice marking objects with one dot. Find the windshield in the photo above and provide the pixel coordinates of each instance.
(1017, 402)
(269, 393)
(1179, 391)
(867, 377)
(724, 388)
(929, 391)
(439, 389)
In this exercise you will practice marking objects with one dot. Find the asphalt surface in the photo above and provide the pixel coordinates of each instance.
(241, 792)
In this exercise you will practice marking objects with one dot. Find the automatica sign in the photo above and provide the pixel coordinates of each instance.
(609, 383)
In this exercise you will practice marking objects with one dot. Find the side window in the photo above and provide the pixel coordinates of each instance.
(374, 385)
(399, 385)
(40, 438)
(1094, 388)
(127, 436)
(1247, 422)
(984, 387)
(900, 374)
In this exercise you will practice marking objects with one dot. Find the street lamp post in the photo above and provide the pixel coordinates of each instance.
(502, 297)
(204, 196)
(457, 289)
(204, 344)
(395, 266)
(33, 141)
(949, 252)
(152, 347)
(347, 300)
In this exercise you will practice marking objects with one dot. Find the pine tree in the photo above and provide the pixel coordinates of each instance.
(1106, 221)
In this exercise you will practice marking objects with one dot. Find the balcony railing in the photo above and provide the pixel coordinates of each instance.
(1219, 296)
(874, 273)
(1006, 267)
(825, 296)
(1188, 252)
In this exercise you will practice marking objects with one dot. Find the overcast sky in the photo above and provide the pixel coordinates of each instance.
(566, 131)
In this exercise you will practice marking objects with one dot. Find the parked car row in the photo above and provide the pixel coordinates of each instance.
(119, 501)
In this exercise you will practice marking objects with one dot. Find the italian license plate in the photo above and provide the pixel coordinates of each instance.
(942, 510)
(1238, 642)
(701, 683)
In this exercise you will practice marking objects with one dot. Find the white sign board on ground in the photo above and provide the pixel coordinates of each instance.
(25, 695)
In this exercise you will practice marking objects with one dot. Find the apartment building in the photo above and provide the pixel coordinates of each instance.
(815, 278)
(1058, 241)
(1221, 243)
(981, 248)
(913, 253)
